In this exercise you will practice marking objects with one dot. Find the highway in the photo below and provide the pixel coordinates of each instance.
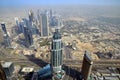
(71, 67)
(114, 63)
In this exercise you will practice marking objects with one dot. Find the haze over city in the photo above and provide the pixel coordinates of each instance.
(16, 3)
(59, 40)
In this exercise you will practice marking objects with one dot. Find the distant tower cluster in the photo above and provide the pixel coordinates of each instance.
(55, 20)
(28, 27)
(40, 24)
(6, 37)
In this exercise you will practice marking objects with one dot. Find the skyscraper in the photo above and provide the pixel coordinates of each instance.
(22, 23)
(51, 14)
(18, 24)
(6, 37)
(56, 56)
(87, 66)
(44, 29)
(31, 16)
(7, 41)
(27, 23)
(3, 28)
(28, 37)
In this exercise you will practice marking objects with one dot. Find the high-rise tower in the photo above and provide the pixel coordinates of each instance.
(44, 29)
(51, 13)
(31, 16)
(28, 37)
(7, 41)
(18, 24)
(6, 37)
(56, 56)
(87, 66)
(3, 28)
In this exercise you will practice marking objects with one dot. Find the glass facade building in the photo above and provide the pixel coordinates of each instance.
(28, 37)
(56, 55)
(44, 25)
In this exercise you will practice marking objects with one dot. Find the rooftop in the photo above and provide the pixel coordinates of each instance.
(88, 57)
(27, 69)
(57, 34)
(6, 64)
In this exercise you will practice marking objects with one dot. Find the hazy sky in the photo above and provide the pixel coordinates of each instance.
(8, 3)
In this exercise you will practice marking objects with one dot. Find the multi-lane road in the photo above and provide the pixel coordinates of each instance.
(71, 67)
(97, 63)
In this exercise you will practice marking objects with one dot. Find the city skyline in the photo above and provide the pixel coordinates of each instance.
(60, 40)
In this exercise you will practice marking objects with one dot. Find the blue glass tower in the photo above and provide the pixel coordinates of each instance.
(4, 28)
(6, 37)
(28, 37)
